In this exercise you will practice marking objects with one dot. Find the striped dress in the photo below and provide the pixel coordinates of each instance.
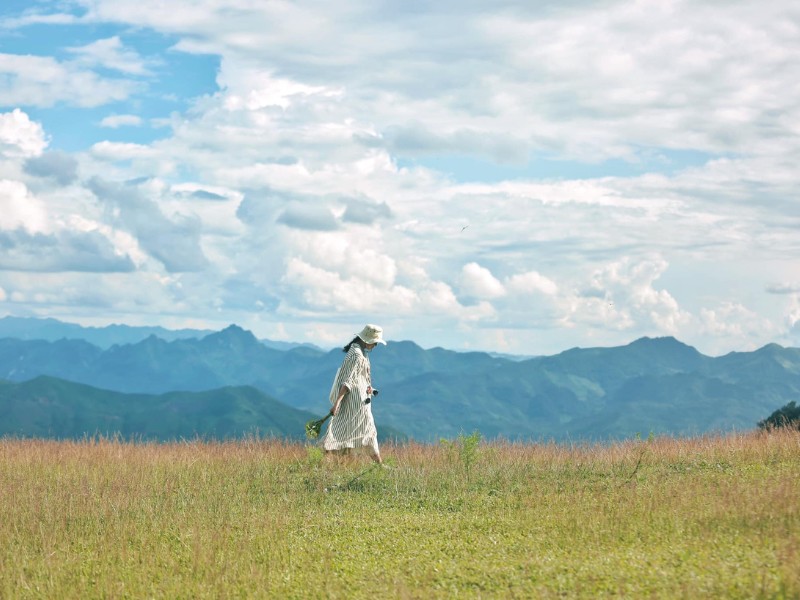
(353, 426)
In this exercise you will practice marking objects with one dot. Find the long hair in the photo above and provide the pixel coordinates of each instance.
(355, 340)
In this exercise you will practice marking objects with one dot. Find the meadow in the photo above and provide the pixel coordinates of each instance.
(710, 517)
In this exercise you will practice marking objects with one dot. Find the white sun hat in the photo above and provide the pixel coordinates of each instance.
(372, 334)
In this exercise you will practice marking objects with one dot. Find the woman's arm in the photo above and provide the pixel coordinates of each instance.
(343, 389)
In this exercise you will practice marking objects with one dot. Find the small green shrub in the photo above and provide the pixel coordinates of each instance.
(465, 447)
(314, 456)
(787, 416)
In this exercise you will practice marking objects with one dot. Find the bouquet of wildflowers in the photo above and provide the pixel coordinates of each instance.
(313, 428)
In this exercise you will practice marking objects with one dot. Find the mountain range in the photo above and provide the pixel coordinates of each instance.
(30, 328)
(657, 385)
(53, 408)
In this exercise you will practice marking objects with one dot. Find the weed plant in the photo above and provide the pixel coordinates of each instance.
(708, 517)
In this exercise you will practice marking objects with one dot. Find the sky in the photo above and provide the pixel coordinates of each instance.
(507, 176)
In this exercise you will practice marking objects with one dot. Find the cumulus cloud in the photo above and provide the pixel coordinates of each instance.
(367, 283)
(260, 208)
(323, 289)
(19, 136)
(61, 251)
(621, 295)
(736, 321)
(58, 166)
(365, 211)
(175, 242)
(312, 218)
(264, 90)
(532, 282)
(370, 265)
(20, 208)
(478, 282)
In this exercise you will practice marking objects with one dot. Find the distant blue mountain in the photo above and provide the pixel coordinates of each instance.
(652, 384)
(29, 328)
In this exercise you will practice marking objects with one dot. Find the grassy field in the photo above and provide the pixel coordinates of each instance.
(712, 517)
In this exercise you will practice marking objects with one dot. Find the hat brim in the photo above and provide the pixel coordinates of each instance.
(371, 334)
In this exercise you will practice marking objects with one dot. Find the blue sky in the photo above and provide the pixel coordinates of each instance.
(488, 176)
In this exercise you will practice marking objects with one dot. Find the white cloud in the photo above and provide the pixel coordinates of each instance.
(58, 166)
(19, 136)
(317, 288)
(21, 209)
(670, 75)
(40, 235)
(285, 191)
(34, 18)
(172, 240)
(122, 295)
(440, 297)
(734, 321)
(132, 160)
(793, 314)
(532, 282)
(478, 281)
(122, 151)
(116, 121)
(262, 90)
(621, 296)
(371, 265)
(216, 207)
(43, 81)
(591, 81)
(64, 250)
(110, 53)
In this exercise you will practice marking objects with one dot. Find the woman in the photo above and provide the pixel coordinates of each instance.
(352, 425)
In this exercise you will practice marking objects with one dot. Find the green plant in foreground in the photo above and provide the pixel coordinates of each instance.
(468, 450)
(314, 456)
(466, 446)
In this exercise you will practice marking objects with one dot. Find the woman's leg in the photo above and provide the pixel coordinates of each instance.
(374, 452)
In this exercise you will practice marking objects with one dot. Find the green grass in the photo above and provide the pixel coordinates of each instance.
(711, 517)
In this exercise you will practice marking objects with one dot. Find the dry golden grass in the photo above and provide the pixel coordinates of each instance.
(705, 517)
